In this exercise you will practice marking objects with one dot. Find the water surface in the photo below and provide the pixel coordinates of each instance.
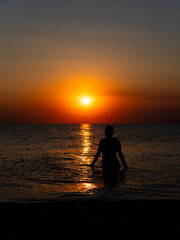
(51, 162)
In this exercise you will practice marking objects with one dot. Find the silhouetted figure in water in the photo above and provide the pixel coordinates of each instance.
(109, 147)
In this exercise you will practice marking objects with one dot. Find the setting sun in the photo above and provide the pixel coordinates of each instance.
(85, 101)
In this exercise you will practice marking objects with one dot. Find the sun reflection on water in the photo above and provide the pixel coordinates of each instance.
(84, 160)
(74, 188)
(84, 187)
(85, 133)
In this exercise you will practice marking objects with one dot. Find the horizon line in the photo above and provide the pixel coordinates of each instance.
(140, 123)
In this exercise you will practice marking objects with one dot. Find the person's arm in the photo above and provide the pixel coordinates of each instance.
(121, 156)
(97, 155)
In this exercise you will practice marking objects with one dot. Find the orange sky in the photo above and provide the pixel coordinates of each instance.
(109, 103)
(124, 57)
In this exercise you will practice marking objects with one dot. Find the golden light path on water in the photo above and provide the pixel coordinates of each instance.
(85, 133)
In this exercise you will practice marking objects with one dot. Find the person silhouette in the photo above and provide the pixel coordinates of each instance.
(109, 147)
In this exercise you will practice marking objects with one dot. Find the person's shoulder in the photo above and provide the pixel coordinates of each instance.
(101, 142)
(116, 140)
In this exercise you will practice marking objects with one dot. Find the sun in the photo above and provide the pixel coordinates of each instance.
(86, 101)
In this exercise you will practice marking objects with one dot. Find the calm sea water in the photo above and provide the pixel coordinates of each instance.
(51, 162)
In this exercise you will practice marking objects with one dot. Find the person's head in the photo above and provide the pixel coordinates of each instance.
(109, 130)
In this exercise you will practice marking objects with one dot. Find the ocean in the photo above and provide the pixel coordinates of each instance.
(51, 162)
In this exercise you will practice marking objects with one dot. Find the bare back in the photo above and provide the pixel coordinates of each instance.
(109, 148)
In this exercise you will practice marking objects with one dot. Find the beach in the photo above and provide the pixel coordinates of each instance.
(124, 219)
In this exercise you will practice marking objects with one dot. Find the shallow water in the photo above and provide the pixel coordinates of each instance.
(51, 162)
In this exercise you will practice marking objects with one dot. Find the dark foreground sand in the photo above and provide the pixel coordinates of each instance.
(91, 220)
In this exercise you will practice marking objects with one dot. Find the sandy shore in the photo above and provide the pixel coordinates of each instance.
(91, 220)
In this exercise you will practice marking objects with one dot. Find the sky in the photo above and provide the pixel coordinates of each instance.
(122, 55)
